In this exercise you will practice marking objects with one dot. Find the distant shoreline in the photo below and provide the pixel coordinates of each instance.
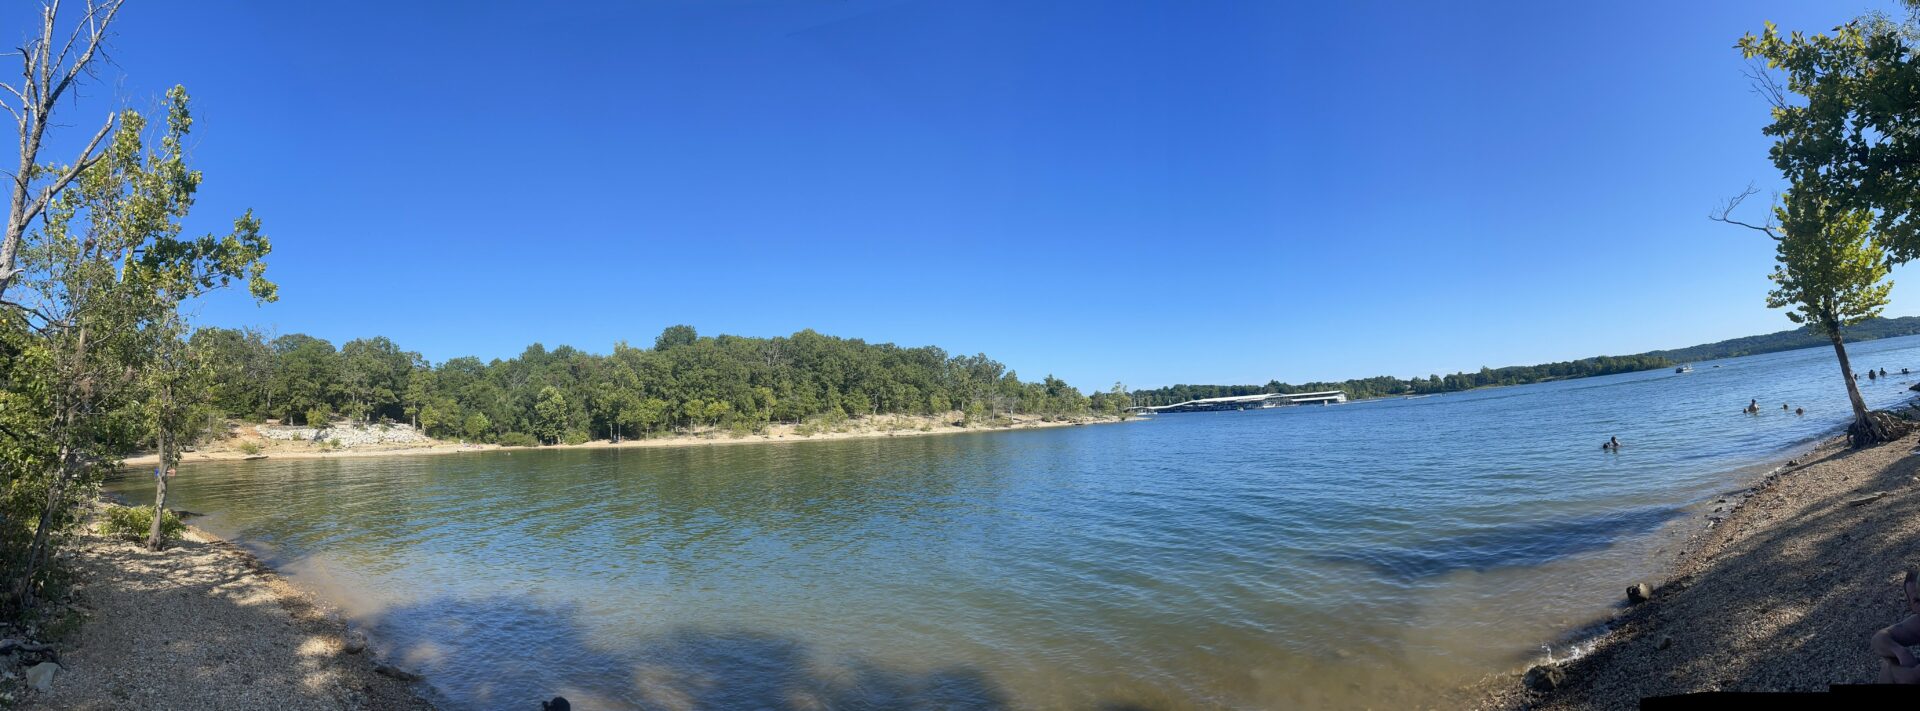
(884, 426)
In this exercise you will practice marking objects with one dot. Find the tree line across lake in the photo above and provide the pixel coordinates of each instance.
(1387, 385)
(685, 381)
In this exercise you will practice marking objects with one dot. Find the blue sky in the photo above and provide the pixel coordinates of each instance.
(1148, 192)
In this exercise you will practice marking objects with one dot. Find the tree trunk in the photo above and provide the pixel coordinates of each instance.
(154, 541)
(1866, 429)
(23, 586)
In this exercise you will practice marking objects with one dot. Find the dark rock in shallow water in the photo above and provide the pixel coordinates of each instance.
(389, 670)
(1639, 593)
(1664, 643)
(1544, 678)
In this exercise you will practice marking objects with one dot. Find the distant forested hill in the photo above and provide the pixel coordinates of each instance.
(1788, 340)
(1387, 385)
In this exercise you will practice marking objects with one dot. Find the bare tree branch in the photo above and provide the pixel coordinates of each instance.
(1725, 213)
(94, 40)
(47, 77)
(1764, 83)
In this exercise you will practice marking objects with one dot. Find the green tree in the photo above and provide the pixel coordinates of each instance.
(478, 427)
(306, 375)
(675, 337)
(419, 395)
(716, 412)
(1843, 120)
(1832, 274)
(108, 265)
(550, 415)
(648, 415)
(242, 365)
(373, 377)
(178, 386)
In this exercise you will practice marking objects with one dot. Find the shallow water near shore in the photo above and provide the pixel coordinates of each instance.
(1372, 554)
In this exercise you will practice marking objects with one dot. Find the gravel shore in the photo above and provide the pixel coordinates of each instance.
(203, 625)
(1780, 594)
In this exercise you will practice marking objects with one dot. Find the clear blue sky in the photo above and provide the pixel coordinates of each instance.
(1150, 192)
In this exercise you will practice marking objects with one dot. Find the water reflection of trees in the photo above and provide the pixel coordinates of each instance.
(680, 502)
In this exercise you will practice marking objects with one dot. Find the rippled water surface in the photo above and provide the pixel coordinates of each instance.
(1374, 553)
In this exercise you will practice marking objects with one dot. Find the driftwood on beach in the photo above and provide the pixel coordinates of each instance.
(15, 644)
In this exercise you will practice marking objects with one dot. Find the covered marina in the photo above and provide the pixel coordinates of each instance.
(1250, 402)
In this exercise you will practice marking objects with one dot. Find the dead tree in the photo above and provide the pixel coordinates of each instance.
(51, 63)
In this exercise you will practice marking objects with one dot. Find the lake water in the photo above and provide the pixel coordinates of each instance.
(1370, 554)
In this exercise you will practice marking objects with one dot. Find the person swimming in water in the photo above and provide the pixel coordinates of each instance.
(1753, 408)
(1612, 443)
(1799, 411)
(1783, 407)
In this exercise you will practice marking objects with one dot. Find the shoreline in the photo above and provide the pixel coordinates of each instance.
(207, 624)
(778, 434)
(1732, 560)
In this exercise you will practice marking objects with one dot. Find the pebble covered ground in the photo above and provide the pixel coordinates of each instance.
(1780, 594)
(203, 625)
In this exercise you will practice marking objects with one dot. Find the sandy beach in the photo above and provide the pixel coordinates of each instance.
(204, 625)
(1779, 593)
(863, 428)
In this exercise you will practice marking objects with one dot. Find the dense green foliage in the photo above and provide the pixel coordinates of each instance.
(1845, 104)
(132, 523)
(1387, 385)
(685, 382)
(91, 365)
(1829, 270)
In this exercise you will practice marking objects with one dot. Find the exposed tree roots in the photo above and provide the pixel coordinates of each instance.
(1878, 428)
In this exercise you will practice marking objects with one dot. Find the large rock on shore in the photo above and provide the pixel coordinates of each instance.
(40, 676)
(348, 434)
(1545, 678)
(1639, 593)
